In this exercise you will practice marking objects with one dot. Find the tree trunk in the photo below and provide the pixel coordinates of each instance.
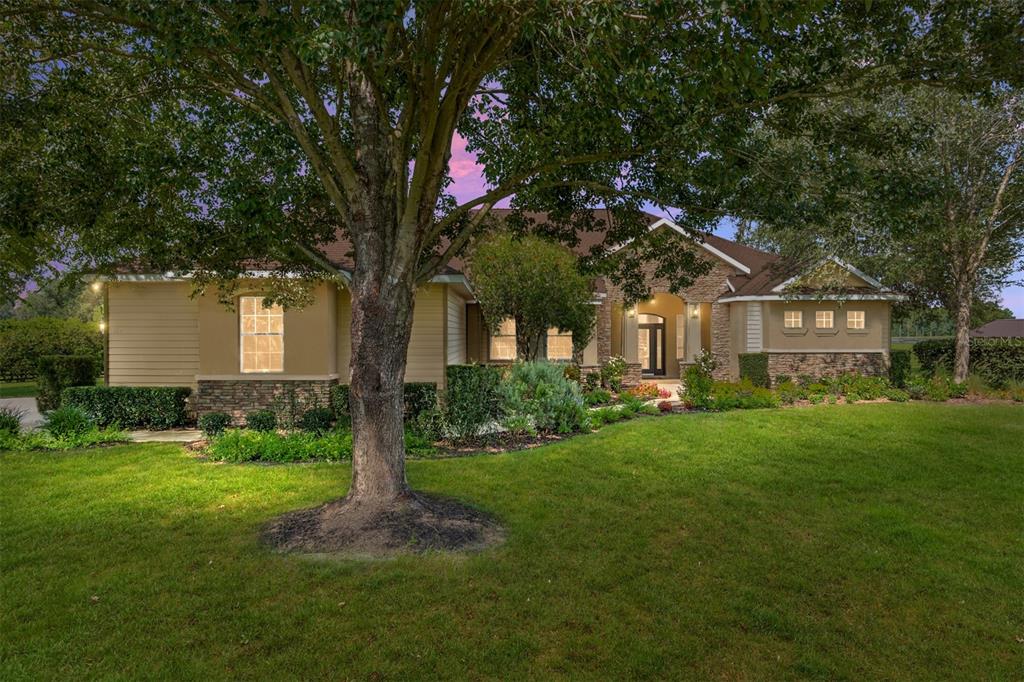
(530, 347)
(381, 326)
(962, 356)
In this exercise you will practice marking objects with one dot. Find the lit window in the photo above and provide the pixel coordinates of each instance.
(823, 319)
(559, 345)
(262, 335)
(794, 319)
(855, 319)
(503, 343)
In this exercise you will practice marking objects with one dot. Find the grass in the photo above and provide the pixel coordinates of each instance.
(873, 541)
(18, 389)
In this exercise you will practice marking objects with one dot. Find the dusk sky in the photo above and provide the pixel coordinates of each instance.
(469, 183)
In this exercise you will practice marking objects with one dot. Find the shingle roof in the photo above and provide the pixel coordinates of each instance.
(1000, 329)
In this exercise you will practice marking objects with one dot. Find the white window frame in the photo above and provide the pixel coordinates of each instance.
(856, 323)
(242, 334)
(799, 319)
(820, 317)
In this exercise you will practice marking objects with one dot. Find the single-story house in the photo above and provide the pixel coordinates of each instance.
(250, 356)
(1000, 329)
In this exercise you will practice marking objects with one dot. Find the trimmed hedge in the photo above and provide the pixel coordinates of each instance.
(23, 342)
(472, 400)
(420, 396)
(997, 361)
(132, 407)
(899, 367)
(754, 366)
(57, 372)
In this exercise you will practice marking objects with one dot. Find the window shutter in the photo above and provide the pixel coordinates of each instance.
(754, 333)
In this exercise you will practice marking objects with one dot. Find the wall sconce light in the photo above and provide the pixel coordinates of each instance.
(631, 312)
(103, 327)
(694, 312)
(96, 286)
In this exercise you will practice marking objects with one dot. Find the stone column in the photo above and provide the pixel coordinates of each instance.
(721, 347)
(603, 333)
(630, 336)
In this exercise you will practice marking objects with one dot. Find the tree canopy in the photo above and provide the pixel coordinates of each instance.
(538, 284)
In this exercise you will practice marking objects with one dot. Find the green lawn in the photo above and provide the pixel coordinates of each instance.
(877, 541)
(18, 389)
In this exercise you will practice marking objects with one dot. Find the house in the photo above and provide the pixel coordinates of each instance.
(1000, 329)
(251, 356)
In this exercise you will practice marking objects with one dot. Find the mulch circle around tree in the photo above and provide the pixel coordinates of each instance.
(414, 524)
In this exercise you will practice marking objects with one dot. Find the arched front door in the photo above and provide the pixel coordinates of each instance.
(651, 344)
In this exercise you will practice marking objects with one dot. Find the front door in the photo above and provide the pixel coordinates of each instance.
(651, 344)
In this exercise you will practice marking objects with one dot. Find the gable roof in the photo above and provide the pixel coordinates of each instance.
(1000, 329)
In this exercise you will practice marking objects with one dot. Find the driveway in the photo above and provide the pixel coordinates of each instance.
(31, 417)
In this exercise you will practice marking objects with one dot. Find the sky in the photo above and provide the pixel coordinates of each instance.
(469, 183)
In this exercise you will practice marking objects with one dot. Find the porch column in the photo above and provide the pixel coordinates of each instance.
(630, 336)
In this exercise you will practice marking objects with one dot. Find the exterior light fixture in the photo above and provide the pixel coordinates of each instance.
(96, 286)
(103, 327)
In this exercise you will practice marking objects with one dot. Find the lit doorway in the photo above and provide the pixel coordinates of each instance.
(651, 344)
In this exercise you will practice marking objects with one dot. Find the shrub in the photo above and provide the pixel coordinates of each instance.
(592, 381)
(57, 372)
(754, 366)
(10, 420)
(261, 420)
(789, 392)
(665, 406)
(899, 367)
(573, 373)
(605, 415)
(23, 342)
(646, 391)
(418, 445)
(214, 423)
(598, 396)
(997, 361)
(44, 440)
(132, 407)
(743, 396)
(67, 421)
(238, 445)
(430, 425)
(419, 397)
(612, 373)
(472, 399)
(695, 391)
(317, 420)
(539, 392)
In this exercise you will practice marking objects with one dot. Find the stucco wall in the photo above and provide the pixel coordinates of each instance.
(309, 336)
(874, 336)
(153, 332)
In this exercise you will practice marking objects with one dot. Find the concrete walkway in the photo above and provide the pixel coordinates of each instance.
(27, 406)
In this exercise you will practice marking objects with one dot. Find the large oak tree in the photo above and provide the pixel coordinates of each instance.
(203, 136)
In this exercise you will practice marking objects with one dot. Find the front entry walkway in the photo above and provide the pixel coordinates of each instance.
(30, 416)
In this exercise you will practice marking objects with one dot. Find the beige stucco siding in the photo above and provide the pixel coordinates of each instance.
(153, 332)
(309, 337)
(874, 336)
(456, 327)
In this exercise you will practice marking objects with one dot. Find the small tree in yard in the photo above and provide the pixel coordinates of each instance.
(538, 284)
(204, 137)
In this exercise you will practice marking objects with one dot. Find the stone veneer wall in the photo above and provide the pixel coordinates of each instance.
(239, 396)
(633, 375)
(721, 346)
(826, 364)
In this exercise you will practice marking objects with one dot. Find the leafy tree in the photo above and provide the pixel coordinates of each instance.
(67, 296)
(924, 185)
(538, 284)
(204, 136)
